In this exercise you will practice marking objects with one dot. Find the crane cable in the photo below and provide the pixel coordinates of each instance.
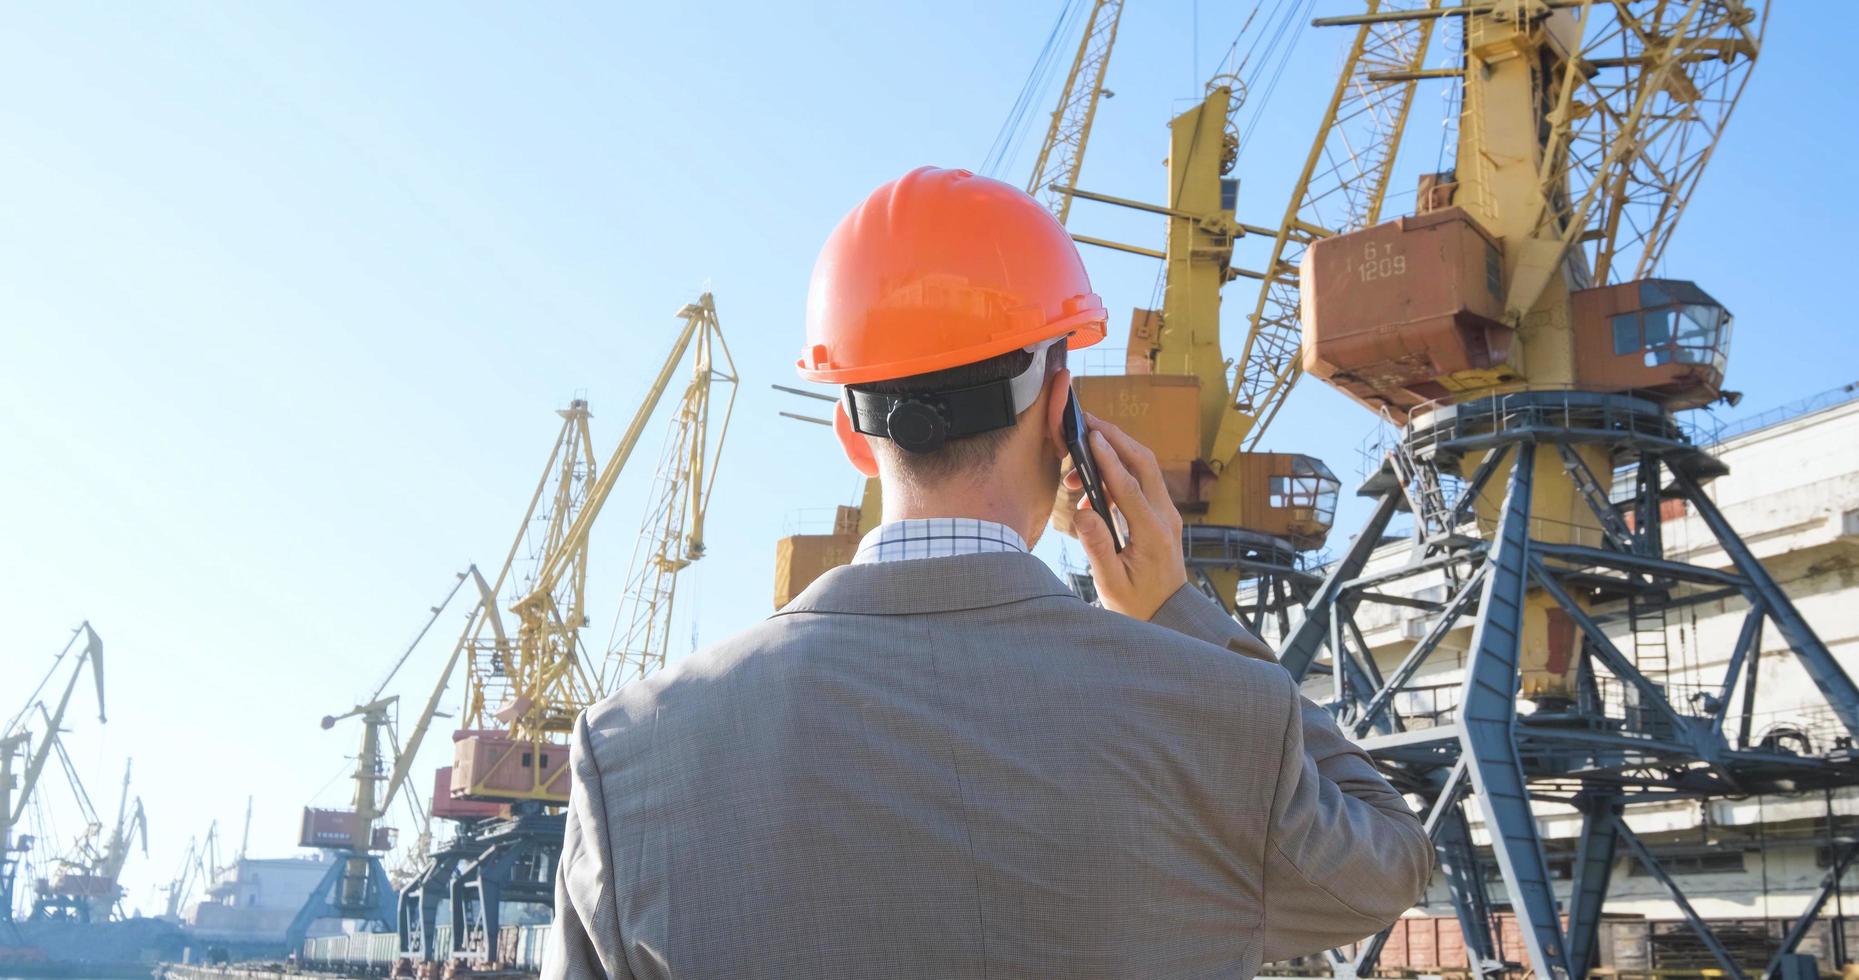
(1281, 49)
(1268, 46)
(1013, 129)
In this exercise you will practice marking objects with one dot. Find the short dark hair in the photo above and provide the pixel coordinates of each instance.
(967, 452)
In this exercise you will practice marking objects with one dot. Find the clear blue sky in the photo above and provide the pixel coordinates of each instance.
(289, 294)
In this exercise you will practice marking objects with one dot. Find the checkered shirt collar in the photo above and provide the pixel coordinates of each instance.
(935, 537)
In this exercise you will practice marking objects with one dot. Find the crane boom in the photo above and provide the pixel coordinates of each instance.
(404, 755)
(1055, 172)
(1341, 187)
(93, 652)
(1640, 112)
(569, 549)
(15, 740)
(673, 532)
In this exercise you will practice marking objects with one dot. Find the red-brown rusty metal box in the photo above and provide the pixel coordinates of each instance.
(496, 766)
(336, 828)
(1161, 411)
(1389, 310)
(444, 806)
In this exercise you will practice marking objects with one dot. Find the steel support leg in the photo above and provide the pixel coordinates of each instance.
(1748, 645)
(1487, 730)
(1594, 868)
(1465, 881)
(1798, 931)
(477, 895)
(1301, 647)
(419, 907)
(1448, 618)
(1698, 927)
(1838, 688)
(376, 908)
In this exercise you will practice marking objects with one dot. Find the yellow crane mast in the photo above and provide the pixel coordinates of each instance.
(1248, 515)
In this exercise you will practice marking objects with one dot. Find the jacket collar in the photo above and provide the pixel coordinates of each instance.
(927, 585)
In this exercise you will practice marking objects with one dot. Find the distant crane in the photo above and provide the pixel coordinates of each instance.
(198, 863)
(16, 741)
(524, 687)
(356, 886)
(86, 886)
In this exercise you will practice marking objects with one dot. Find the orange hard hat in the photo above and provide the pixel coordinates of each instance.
(941, 268)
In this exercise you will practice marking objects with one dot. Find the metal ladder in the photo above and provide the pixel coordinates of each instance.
(1646, 614)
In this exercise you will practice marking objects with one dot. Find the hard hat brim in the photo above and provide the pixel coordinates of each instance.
(1085, 327)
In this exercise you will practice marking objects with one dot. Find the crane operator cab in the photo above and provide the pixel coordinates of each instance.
(1665, 338)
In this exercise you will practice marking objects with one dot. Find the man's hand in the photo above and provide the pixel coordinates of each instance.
(1138, 580)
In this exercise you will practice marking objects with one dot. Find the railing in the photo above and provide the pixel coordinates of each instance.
(1727, 430)
(375, 953)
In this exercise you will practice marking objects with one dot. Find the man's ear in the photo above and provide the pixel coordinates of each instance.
(1057, 391)
(856, 447)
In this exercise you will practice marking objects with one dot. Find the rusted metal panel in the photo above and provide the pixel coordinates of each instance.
(1389, 310)
(801, 558)
(492, 765)
(444, 806)
(1663, 338)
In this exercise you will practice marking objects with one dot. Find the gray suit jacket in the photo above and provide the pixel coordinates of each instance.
(953, 767)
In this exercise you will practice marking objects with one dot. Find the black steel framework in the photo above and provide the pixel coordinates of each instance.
(490, 863)
(1624, 738)
(1272, 582)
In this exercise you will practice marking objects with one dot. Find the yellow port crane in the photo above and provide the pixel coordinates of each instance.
(524, 689)
(198, 864)
(16, 740)
(357, 887)
(523, 692)
(1530, 264)
(1517, 326)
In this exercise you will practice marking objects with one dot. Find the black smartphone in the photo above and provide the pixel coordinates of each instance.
(1086, 465)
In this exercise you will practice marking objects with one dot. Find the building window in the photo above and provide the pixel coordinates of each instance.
(1824, 855)
(1694, 863)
